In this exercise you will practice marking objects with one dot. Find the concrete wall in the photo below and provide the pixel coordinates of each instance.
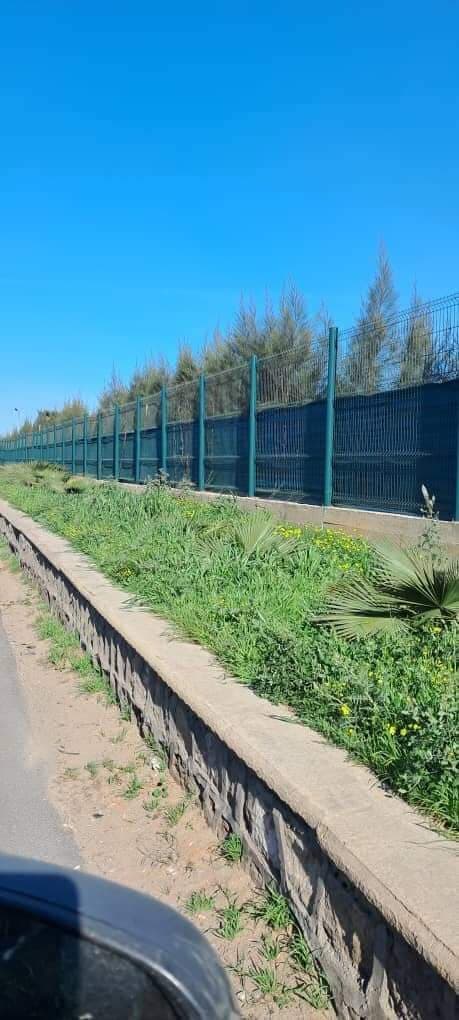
(371, 887)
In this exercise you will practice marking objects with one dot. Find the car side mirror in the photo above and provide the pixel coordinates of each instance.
(75, 947)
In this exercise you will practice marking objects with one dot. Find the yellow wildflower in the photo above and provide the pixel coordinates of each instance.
(392, 730)
(345, 710)
(403, 731)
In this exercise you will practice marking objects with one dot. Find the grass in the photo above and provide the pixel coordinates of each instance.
(133, 788)
(199, 902)
(120, 736)
(232, 848)
(273, 909)
(155, 798)
(389, 700)
(174, 813)
(231, 919)
(269, 985)
(159, 753)
(270, 947)
(93, 768)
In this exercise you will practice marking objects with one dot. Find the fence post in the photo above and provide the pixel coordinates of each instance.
(329, 422)
(85, 444)
(164, 430)
(73, 447)
(252, 425)
(99, 445)
(138, 438)
(202, 434)
(456, 509)
(55, 445)
(116, 443)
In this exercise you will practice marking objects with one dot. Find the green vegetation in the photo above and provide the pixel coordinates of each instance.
(231, 919)
(285, 328)
(232, 848)
(389, 698)
(154, 799)
(273, 909)
(199, 902)
(407, 587)
(174, 813)
(133, 788)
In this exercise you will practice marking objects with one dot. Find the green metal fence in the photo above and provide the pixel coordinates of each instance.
(360, 418)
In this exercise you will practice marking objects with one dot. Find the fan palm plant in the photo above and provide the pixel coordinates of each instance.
(406, 587)
(254, 534)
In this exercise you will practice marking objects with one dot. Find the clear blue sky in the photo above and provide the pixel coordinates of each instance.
(156, 165)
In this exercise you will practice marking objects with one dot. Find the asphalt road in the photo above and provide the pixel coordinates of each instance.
(29, 825)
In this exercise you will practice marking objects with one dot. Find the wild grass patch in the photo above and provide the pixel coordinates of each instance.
(390, 699)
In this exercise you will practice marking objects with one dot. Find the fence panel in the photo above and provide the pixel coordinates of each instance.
(226, 430)
(396, 411)
(127, 442)
(150, 437)
(182, 433)
(91, 446)
(396, 422)
(291, 412)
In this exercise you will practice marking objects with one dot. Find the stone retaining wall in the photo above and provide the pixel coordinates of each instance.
(382, 955)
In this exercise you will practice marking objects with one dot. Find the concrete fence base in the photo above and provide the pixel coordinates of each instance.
(371, 887)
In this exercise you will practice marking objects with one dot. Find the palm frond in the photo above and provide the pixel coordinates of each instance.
(407, 586)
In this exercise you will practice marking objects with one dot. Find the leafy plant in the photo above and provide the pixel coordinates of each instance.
(406, 587)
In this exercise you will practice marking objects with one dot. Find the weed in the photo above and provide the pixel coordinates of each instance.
(155, 797)
(300, 953)
(174, 813)
(97, 684)
(159, 758)
(72, 773)
(273, 909)
(199, 903)
(126, 712)
(232, 848)
(93, 768)
(133, 788)
(120, 736)
(109, 764)
(315, 992)
(268, 984)
(270, 947)
(231, 919)
(388, 699)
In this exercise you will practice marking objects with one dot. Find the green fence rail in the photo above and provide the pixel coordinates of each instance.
(360, 418)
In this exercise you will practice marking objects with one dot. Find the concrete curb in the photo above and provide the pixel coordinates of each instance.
(371, 885)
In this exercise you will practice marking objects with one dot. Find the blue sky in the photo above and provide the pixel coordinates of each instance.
(157, 165)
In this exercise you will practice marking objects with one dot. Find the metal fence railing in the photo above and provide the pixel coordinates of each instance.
(360, 418)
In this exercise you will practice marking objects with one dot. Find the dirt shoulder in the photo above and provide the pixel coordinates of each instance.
(134, 824)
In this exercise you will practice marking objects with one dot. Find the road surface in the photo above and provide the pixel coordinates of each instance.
(29, 825)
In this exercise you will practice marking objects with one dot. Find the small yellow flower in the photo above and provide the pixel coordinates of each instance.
(392, 730)
(345, 710)
(436, 630)
(403, 732)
